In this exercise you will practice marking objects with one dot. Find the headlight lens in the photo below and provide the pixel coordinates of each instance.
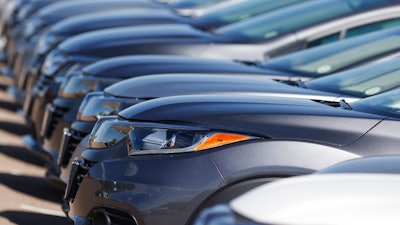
(32, 27)
(107, 132)
(53, 62)
(178, 139)
(96, 105)
(145, 138)
(46, 42)
(25, 11)
(76, 85)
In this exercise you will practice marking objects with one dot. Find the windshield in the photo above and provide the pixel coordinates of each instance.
(334, 57)
(241, 11)
(384, 104)
(361, 82)
(282, 21)
(181, 4)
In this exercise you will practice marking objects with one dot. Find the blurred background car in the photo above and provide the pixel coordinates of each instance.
(89, 47)
(63, 110)
(29, 63)
(349, 85)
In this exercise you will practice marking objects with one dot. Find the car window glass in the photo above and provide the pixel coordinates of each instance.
(387, 102)
(334, 57)
(179, 4)
(372, 27)
(243, 10)
(308, 13)
(108, 132)
(73, 86)
(363, 81)
(350, 55)
(324, 40)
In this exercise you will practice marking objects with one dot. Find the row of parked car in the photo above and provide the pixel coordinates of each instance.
(192, 111)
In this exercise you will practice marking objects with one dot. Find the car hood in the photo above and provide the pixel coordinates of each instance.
(137, 65)
(374, 164)
(109, 19)
(149, 39)
(64, 9)
(270, 117)
(162, 85)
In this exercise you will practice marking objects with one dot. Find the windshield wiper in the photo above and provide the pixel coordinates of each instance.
(345, 105)
(301, 84)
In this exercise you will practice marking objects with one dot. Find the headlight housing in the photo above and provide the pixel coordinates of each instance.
(26, 10)
(156, 138)
(33, 26)
(53, 62)
(46, 42)
(76, 85)
(96, 105)
(163, 138)
(108, 132)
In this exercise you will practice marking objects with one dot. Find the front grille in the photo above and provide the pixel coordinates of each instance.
(57, 115)
(73, 141)
(43, 81)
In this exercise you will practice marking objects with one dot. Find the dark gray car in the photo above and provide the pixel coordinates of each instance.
(190, 152)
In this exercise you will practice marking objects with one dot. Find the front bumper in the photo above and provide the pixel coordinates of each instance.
(151, 190)
(35, 104)
(28, 67)
(71, 139)
(76, 154)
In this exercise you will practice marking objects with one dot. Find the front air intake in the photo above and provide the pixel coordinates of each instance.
(110, 216)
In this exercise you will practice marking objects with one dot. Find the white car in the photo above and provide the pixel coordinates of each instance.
(319, 199)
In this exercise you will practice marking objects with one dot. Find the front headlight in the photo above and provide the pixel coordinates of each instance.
(46, 42)
(76, 85)
(25, 11)
(96, 105)
(53, 62)
(33, 26)
(156, 138)
(175, 139)
(108, 132)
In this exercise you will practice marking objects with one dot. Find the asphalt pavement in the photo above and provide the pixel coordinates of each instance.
(26, 197)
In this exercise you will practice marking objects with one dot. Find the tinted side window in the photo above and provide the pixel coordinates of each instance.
(372, 27)
(324, 40)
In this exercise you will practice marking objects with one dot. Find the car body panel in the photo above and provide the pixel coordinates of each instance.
(118, 39)
(133, 171)
(142, 87)
(175, 182)
(291, 201)
(160, 40)
(100, 20)
(238, 113)
(48, 77)
(295, 137)
(388, 164)
(133, 65)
